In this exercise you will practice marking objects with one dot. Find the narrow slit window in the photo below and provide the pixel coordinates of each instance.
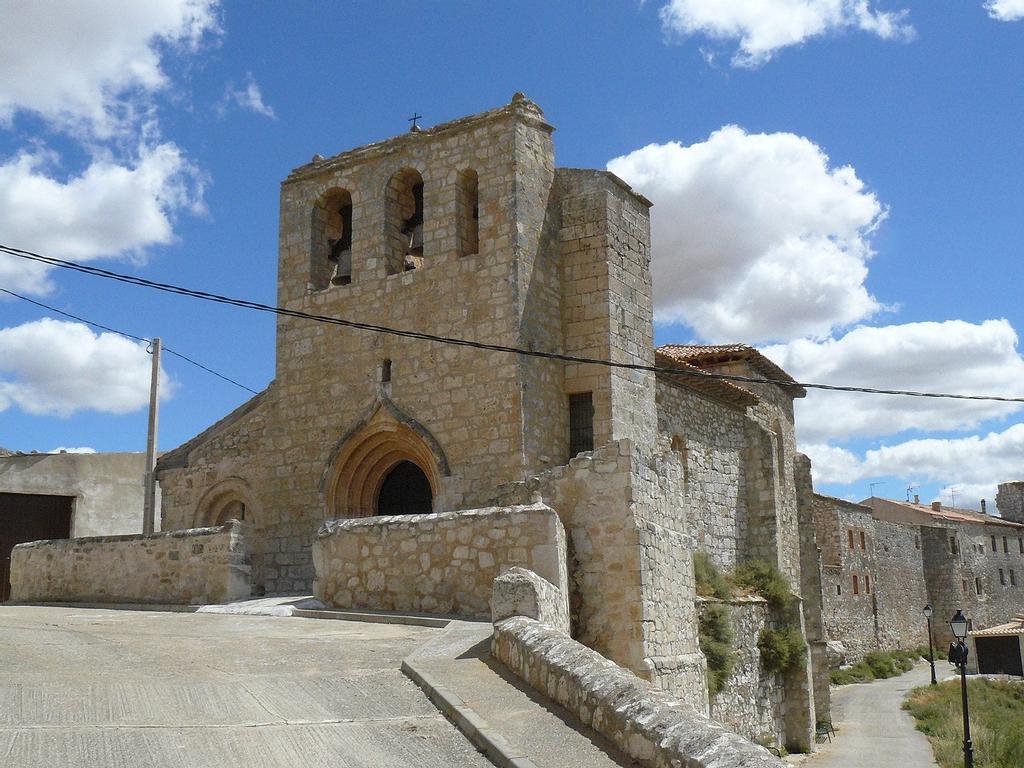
(994, 544)
(469, 213)
(1006, 546)
(977, 584)
(1002, 578)
(1013, 578)
(863, 540)
(849, 536)
(856, 584)
(385, 372)
(581, 423)
(867, 584)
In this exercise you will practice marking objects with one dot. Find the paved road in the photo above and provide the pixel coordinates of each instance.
(113, 689)
(873, 732)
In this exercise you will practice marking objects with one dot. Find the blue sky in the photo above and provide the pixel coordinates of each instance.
(837, 182)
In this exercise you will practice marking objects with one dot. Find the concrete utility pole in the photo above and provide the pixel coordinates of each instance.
(149, 508)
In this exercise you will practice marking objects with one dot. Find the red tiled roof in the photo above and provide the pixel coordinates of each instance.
(716, 388)
(951, 514)
(703, 355)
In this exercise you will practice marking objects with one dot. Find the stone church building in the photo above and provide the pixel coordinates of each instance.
(469, 230)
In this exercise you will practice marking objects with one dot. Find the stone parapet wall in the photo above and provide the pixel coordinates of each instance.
(201, 565)
(650, 726)
(440, 563)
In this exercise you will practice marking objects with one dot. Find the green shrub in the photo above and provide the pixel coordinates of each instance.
(716, 637)
(710, 581)
(781, 649)
(857, 673)
(767, 581)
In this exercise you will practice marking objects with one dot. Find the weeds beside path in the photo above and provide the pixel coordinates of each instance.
(997, 722)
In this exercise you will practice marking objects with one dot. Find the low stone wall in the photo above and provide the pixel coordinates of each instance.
(441, 563)
(650, 726)
(201, 565)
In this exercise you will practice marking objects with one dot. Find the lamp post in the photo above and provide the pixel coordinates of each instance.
(931, 654)
(958, 655)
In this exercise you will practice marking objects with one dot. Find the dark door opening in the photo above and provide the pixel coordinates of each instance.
(29, 517)
(999, 655)
(406, 491)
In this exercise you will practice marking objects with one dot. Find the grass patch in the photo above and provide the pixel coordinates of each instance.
(997, 722)
(877, 665)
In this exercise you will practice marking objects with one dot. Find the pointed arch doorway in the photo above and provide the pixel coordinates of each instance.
(384, 466)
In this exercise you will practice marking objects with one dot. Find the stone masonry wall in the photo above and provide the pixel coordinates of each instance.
(980, 577)
(848, 618)
(1010, 501)
(441, 563)
(751, 702)
(204, 565)
(709, 436)
(630, 566)
(899, 590)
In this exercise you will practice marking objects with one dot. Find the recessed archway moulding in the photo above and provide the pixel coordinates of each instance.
(363, 458)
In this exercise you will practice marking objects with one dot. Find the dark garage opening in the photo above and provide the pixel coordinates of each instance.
(406, 491)
(999, 655)
(29, 517)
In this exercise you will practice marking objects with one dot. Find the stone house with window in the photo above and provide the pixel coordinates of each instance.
(883, 560)
(469, 230)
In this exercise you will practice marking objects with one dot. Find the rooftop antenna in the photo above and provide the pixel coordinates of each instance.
(952, 496)
(872, 486)
(910, 489)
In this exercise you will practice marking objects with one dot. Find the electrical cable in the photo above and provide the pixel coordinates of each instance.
(283, 311)
(127, 335)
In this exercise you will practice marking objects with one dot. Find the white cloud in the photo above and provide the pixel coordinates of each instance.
(1005, 10)
(63, 449)
(756, 237)
(89, 64)
(762, 28)
(952, 356)
(109, 210)
(53, 367)
(973, 465)
(248, 97)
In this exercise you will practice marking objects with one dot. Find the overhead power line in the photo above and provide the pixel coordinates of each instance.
(410, 334)
(127, 335)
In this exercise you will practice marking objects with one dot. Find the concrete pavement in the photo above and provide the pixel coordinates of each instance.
(111, 689)
(872, 729)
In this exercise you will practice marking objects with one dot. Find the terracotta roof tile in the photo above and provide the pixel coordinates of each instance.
(703, 355)
(1014, 627)
(717, 388)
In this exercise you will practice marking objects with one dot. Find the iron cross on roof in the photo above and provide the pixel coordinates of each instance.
(415, 127)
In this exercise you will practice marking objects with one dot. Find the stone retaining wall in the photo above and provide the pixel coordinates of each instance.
(200, 565)
(441, 563)
(650, 726)
(751, 701)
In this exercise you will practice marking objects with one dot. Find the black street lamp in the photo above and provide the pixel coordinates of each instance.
(931, 654)
(958, 655)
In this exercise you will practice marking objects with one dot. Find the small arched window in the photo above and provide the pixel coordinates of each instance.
(404, 220)
(469, 213)
(331, 246)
